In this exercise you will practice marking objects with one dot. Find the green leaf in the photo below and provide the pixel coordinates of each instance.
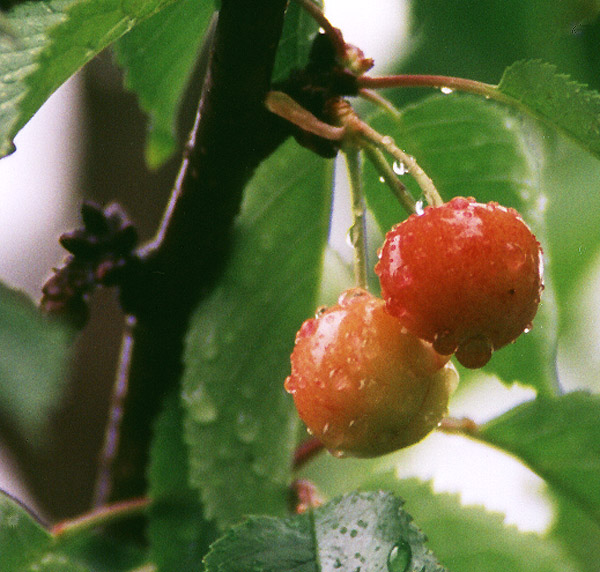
(559, 439)
(578, 533)
(102, 553)
(32, 364)
(469, 538)
(178, 533)
(54, 39)
(26, 545)
(299, 29)
(240, 424)
(22, 538)
(361, 531)
(469, 147)
(555, 99)
(472, 147)
(572, 181)
(159, 56)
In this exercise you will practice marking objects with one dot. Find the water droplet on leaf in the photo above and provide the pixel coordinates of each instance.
(247, 427)
(209, 348)
(446, 90)
(260, 468)
(400, 557)
(201, 407)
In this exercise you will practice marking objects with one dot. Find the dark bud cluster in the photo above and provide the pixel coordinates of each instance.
(100, 254)
(325, 78)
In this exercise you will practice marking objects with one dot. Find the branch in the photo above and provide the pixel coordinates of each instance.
(233, 134)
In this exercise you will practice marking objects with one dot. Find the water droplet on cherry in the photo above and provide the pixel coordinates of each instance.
(474, 352)
(515, 257)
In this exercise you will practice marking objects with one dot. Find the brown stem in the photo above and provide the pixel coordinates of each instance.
(463, 426)
(234, 134)
(306, 451)
(100, 516)
(434, 81)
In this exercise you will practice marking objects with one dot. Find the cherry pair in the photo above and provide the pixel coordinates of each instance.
(372, 375)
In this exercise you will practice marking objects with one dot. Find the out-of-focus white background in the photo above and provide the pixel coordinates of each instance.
(38, 203)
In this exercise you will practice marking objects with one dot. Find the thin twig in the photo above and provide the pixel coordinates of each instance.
(306, 451)
(384, 169)
(100, 516)
(386, 143)
(380, 101)
(433, 81)
(112, 432)
(357, 230)
(464, 426)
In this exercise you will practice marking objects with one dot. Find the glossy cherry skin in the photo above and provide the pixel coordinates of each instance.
(362, 384)
(464, 276)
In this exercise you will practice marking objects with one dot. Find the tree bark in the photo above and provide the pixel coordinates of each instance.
(234, 133)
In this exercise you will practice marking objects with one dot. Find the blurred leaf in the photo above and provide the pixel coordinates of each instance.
(469, 538)
(158, 56)
(299, 30)
(178, 533)
(478, 40)
(572, 181)
(52, 40)
(559, 439)
(32, 364)
(555, 99)
(367, 531)
(101, 553)
(240, 424)
(578, 533)
(472, 147)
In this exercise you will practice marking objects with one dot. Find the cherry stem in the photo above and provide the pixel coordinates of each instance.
(435, 81)
(386, 143)
(463, 426)
(100, 516)
(357, 230)
(306, 451)
(379, 100)
(285, 107)
(335, 34)
(384, 169)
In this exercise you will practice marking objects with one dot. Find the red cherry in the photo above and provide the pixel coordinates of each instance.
(362, 384)
(465, 276)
